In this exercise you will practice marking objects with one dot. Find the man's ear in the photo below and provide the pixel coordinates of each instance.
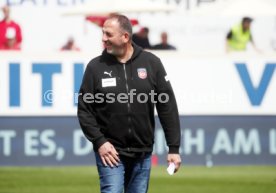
(126, 37)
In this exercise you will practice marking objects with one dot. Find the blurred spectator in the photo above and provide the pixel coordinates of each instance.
(239, 36)
(10, 32)
(164, 43)
(70, 45)
(141, 38)
(273, 41)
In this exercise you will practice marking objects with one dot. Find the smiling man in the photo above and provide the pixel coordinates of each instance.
(122, 130)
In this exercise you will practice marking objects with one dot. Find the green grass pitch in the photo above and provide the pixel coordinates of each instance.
(190, 179)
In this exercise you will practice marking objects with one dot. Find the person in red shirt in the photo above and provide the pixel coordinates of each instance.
(10, 32)
(70, 45)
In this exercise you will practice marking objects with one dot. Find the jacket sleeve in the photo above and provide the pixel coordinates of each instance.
(167, 110)
(86, 112)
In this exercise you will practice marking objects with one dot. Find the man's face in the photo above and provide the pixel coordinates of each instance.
(164, 38)
(246, 25)
(6, 11)
(114, 39)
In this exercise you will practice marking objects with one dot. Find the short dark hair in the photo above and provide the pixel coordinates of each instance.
(124, 23)
(146, 29)
(247, 19)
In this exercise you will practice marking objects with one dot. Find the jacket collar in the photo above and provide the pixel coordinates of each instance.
(111, 58)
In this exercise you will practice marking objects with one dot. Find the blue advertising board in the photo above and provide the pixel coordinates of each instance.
(205, 140)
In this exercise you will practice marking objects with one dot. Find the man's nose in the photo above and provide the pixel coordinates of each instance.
(104, 38)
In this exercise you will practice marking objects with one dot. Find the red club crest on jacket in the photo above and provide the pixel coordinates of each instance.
(142, 73)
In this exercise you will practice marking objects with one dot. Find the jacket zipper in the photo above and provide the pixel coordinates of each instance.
(128, 104)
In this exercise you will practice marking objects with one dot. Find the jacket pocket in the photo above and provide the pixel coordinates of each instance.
(143, 130)
(116, 131)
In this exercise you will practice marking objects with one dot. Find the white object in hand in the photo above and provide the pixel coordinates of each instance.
(10, 33)
(171, 168)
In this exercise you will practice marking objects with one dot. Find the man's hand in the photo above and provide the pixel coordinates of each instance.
(108, 154)
(174, 158)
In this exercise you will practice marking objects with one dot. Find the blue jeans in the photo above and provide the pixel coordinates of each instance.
(131, 175)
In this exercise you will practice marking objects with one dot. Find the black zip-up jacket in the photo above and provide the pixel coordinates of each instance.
(129, 126)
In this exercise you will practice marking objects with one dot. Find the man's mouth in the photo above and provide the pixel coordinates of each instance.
(107, 45)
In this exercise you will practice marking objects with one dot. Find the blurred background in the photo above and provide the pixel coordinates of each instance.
(220, 56)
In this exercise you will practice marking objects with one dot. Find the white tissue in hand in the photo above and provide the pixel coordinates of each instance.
(10, 33)
(171, 169)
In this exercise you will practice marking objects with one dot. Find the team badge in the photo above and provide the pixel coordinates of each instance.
(142, 73)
